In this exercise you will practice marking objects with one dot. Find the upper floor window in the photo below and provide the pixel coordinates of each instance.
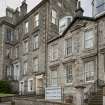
(26, 47)
(36, 42)
(36, 20)
(17, 33)
(9, 35)
(36, 65)
(11, 52)
(69, 74)
(54, 52)
(17, 51)
(89, 70)
(54, 16)
(10, 14)
(26, 27)
(8, 70)
(25, 67)
(89, 39)
(16, 71)
(68, 46)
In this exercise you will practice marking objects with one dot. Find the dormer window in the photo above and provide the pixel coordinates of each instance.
(9, 14)
(99, 6)
(54, 16)
(36, 20)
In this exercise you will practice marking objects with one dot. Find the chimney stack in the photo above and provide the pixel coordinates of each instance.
(16, 14)
(23, 8)
(79, 11)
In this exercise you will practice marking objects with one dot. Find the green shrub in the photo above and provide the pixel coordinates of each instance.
(5, 87)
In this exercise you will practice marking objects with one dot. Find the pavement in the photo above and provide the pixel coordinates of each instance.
(6, 103)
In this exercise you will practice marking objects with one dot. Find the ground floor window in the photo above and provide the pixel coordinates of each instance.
(54, 77)
(30, 85)
(89, 70)
(68, 72)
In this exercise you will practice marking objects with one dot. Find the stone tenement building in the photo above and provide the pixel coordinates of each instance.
(76, 59)
(39, 52)
(23, 44)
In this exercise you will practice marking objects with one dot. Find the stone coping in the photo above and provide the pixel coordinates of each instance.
(60, 103)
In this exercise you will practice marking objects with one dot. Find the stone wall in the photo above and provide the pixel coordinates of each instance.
(34, 102)
(104, 96)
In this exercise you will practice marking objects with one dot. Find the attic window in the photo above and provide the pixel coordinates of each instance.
(9, 14)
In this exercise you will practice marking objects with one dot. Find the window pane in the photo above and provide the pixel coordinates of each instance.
(26, 27)
(54, 52)
(35, 42)
(89, 39)
(69, 75)
(68, 46)
(54, 17)
(36, 20)
(54, 77)
(35, 61)
(89, 71)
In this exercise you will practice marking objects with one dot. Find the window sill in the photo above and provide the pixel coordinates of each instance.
(35, 49)
(88, 49)
(25, 54)
(68, 84)
(35, 29)
(54, 60)
(67, 56)
(89, 82)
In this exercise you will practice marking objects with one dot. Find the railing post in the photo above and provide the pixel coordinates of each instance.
(81, 93)
(103, 95)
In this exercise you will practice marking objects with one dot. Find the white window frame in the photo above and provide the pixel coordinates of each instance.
(17, 51)
(16, 71)
(88, 71)
(25, 67)
(35, 64)
(54, 16)
(35, 42)
(9, 72)
(54, 52)
(26, 27)
(26, 46)
(69, 73)
(70, 47)
(54, 78)
(29, 85)
(91, 39)
(36, 20)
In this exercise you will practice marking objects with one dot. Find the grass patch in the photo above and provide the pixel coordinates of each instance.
(6, 95)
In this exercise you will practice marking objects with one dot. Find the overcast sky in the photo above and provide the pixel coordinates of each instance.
(86, 4)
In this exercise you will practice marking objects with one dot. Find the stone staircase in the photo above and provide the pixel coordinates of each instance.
(96, 98)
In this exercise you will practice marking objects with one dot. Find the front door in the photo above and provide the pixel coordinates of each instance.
(39, 85)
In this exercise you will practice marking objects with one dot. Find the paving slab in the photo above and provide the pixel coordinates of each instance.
(6, 103)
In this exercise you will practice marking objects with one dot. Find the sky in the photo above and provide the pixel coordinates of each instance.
(86, 4)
